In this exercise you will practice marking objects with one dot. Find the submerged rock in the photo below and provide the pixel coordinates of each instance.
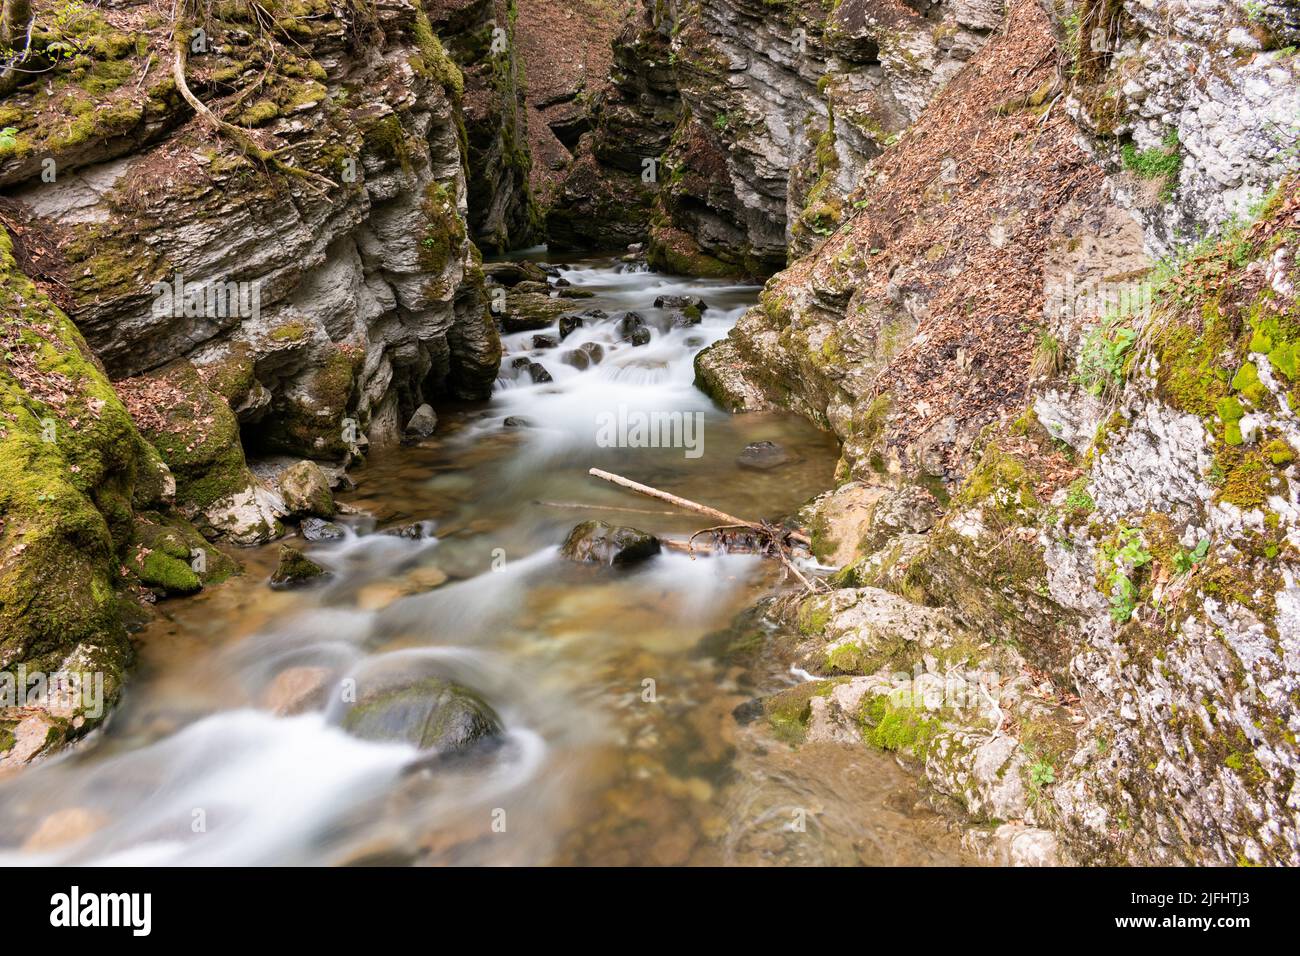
(295, 570)
(431, 714)
(762, 455)
(692, 303)
(599, 543)
(306, 490)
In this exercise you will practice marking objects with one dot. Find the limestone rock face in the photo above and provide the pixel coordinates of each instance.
(324, 314)
(604, 200)
(480, 36)
(1195, 114)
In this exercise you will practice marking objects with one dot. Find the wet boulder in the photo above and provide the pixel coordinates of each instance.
(569, 324)
(295, 569)
(595, 542)
(594, 315)
(537, 372)
(306, 490)
(534, 288)
(516, 421)
(317, 529)
(686, 303)
(431, 714)
(422, 424)
(762, 455)
(628, 324)
(576, 358)
(415, 531)
(513, 273)
(522, 362)
(545, 342)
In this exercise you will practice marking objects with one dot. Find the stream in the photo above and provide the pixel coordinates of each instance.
(623, 742)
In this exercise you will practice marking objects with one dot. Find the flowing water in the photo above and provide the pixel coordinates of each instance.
(622, 743)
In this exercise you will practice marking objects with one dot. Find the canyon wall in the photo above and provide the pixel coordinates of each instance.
(1054, 335)
(293, 279)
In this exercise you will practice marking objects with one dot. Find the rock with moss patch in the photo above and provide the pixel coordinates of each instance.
(306, 490)
(430, 714)
(295, 570)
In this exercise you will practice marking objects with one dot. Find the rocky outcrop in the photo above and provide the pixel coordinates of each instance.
(567, 48)
(323, 307)
(87, 528)
(298, 282)
(1194, 113)
(1084, 623)
(781, 107)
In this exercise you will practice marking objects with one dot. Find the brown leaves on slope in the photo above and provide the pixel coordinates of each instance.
(957, 216)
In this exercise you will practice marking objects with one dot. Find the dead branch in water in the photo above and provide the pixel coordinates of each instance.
(773, 540)
(685, 503)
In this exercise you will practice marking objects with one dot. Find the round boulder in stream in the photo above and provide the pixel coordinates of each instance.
(595, 542)
(431, 714)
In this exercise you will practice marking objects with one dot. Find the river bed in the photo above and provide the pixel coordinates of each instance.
(622, 739)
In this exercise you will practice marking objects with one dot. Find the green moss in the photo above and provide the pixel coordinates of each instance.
(67, 448)
(434, 61)
(789, 711)
(1161, 162)
(259, 113)
(895, 725)
(169, 574)
(1247, 478)
(444, 230)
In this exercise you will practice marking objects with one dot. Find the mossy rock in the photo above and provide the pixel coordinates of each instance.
(295, 570)
(69, 455)
(431, 714)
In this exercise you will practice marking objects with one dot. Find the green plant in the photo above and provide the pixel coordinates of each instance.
(1184, 561)
(1124, 559)
(1101, 363)
(1159, 162)
(1077, 497)
(1042, 773)
(8, 137)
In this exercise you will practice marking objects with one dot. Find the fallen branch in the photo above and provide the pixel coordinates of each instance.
(774, 537)
(685, 503)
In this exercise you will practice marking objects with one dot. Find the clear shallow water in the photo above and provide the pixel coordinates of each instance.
(198, 767)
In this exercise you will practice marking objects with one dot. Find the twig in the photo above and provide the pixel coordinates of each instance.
(688, 505)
